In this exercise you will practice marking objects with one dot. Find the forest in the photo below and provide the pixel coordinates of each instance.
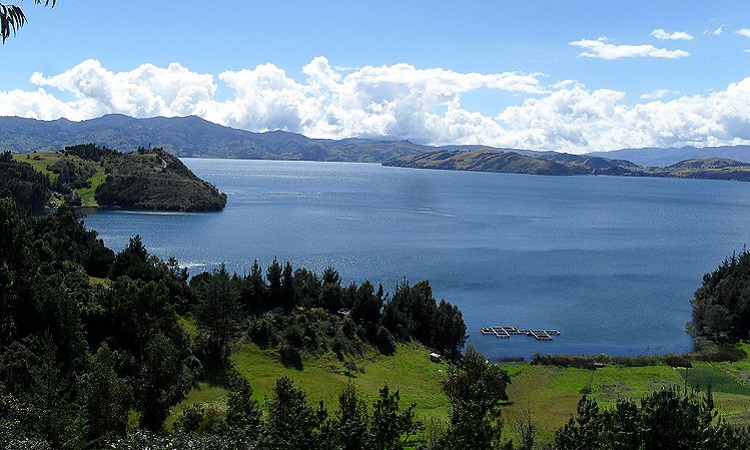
(95, 352)
(721, 306)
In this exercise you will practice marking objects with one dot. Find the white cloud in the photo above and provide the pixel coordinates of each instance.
(744, 32)
(399, 102)
(144, 91)
(657, 94)
(718, 31)
(675, 36)
(600, 48)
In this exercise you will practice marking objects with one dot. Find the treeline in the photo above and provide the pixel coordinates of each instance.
(667, 419)
(297, 311)
(721, 306)
(29, 188)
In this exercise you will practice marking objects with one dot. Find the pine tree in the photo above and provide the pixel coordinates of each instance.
(218, 313)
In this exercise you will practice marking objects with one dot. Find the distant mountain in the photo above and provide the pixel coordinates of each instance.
(564, 164)
(195, 137)
(663, 157)
(191, 137)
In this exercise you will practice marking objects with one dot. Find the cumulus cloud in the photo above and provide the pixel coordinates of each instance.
(659, 93)
(675, 36)
(600, 48)
(398, 102)
(744, 32)
(143, 92)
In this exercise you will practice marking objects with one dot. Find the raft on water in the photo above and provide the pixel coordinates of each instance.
(505, 332)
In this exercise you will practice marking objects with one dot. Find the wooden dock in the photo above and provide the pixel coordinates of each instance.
(505, 332)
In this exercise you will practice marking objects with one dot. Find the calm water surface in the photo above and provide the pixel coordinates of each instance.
(611, 262)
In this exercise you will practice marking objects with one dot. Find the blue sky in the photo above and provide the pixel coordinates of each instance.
(571, 76)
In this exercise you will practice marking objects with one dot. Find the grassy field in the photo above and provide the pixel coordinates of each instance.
(549, 393)
(41, 160)
(409, 371)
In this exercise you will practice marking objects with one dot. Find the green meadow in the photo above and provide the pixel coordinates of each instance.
(42, 160)
(549, 394)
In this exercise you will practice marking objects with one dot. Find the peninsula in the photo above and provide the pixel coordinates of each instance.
(552, 163)
(92, 176)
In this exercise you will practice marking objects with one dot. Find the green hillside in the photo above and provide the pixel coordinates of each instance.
(551, 163)
(549, 393)
(91, 176)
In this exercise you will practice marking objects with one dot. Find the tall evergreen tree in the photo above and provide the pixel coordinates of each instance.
(288, 300)
(106, 398)
(291, 423)
(331, 290)
(352, 421)
(218, 314)
(448, 330)
(475, 390)
(254, 289)
(392, 427)
(273, 278)
(243, 412)
(163, 380)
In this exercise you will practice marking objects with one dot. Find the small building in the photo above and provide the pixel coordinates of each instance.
(436, 357)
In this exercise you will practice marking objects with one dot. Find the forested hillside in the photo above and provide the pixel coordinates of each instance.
(97, 348)
(29, 187)
(89, 337)
(89, 175)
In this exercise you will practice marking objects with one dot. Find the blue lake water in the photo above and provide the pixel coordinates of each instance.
(611, 262)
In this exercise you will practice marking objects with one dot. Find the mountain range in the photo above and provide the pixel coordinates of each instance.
(195, 137)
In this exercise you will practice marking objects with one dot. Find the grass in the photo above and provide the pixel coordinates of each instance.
(549, 393)
(409, 371)
(322, 379)
(202, 393)
(87, 194)
(41, 160)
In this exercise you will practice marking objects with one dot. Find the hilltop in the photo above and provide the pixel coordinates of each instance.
(91, 176)
(663, 157)
(193, 137)
(563, 164)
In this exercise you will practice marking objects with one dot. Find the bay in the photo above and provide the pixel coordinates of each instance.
(610, 262)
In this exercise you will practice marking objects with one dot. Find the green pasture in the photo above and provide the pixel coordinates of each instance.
(549, 394)
(322, 379)
(41, 160)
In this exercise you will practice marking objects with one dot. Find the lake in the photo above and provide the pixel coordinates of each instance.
(610, 262)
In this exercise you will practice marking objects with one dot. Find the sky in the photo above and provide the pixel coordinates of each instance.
(568, 76)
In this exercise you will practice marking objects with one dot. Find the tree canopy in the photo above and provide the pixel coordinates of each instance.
(721, 306)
